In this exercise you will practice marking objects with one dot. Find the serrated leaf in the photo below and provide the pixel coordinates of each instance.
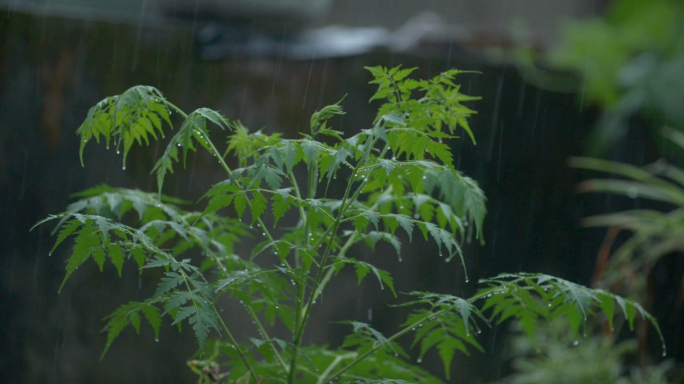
(446, 350)
(171, 281)
(153, 318)
(363, 268)
(279, 206)
(116, 255)
(310, 149)
(67, 230)
(257, 206)
(240, 203)
(291, 156)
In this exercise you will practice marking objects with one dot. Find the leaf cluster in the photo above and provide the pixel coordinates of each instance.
(397, 173)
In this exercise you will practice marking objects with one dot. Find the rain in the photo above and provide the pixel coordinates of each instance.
(579, 150)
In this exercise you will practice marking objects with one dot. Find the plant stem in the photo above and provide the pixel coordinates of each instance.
(379, 345)
(299, 330)
(235, 344)
(338, 359)
(402, 332)
(295, 186)
(343, 251)
(267, 338)
(251, 312)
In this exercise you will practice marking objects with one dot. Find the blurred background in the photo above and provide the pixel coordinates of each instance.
(559, 78)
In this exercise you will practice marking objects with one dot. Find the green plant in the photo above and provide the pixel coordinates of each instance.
(628, 62)
(655, 233)
(559, 358)
(398, 173)
(631, 63)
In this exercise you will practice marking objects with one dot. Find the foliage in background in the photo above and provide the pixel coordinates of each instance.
(655, 233)
(558, 357)
(398, 173)
(631, 62)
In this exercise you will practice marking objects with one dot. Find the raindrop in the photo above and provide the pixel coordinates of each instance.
(124, 167)
(632, 192)
(416, 216)
(157, 340)
(664, 353)
(117, 152)
(419, 361)
(467, 280)
(576, 342)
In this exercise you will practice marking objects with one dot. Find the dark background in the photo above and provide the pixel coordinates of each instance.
(53, 68)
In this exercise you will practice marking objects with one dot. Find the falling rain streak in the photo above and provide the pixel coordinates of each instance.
(258, 64)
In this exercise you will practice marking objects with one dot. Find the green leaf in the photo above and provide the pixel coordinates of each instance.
(446, 350)
(117, 256)
(152, 315)
(125, 315)
(280, 205)
(257, 206)
(240, 201)
(291, 155)
(310, 149)
(67, 230)
(171, 281)
(363, 268)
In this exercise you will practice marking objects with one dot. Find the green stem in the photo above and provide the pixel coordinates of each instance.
(343, 251)
(225, 327)
(255, 318)
(378, 345)
(295, 186)
(307, 308)
(404, 331)
(251, 312)
(338, 359)
(236, 346)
